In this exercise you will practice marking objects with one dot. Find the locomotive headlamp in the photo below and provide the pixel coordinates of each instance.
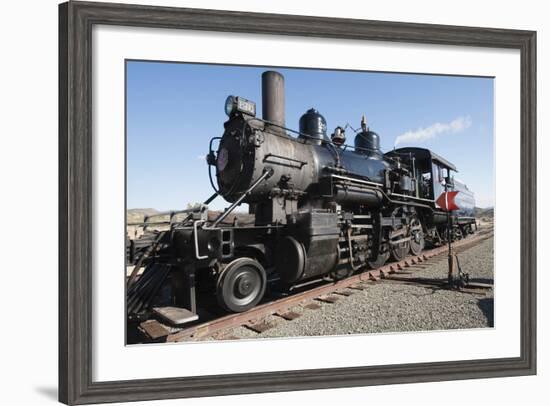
(234, 104)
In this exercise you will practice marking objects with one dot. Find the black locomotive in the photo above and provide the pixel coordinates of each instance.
(322, 209)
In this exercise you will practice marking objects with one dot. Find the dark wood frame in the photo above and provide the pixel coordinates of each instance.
(75, 204)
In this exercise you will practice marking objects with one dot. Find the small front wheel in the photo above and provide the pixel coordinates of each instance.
(241, 285)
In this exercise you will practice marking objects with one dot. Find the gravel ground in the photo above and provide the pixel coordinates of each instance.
(391, 307)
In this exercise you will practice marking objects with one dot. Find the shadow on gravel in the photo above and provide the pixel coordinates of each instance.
(431, 292)
(486, 306)
(490, 281)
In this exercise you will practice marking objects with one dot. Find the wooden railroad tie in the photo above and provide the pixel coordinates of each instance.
(154, 329)
(260, 326)
(312, 306)
(328, 298)
(288, 315)
(344, 292)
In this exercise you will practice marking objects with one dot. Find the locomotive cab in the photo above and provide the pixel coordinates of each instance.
(434, 175)
(431, 172)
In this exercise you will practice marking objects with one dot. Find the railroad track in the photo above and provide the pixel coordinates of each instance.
(330, 292)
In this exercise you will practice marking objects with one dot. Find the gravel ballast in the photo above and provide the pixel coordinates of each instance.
(394, 307)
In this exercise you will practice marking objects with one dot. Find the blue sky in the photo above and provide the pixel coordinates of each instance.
(173, 109)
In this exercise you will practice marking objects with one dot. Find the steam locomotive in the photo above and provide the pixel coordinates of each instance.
(321, 209)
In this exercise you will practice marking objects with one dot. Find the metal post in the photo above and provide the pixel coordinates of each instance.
(183, 283)
(450, 259)
(190, 282)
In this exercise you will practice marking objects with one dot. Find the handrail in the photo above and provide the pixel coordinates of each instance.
(267, 173)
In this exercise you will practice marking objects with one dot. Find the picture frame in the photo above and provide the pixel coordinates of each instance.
(76, 19)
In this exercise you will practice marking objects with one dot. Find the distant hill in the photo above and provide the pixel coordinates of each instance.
(484, 212)
(135, 215)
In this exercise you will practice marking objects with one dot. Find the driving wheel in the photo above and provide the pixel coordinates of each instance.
(380, 257)
(400, 250)
(417, 241)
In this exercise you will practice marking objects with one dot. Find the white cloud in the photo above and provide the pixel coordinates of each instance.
(201, 157)
(422, 134)
(484, 201)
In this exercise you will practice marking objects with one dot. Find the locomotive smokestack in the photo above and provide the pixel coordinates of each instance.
(273, 100)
